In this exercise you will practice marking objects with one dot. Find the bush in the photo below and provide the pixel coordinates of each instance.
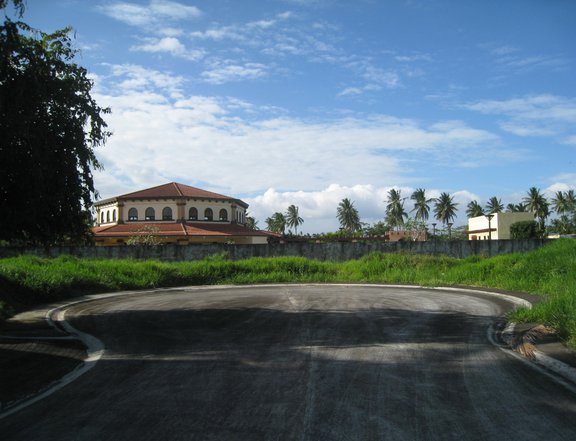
(524, 230)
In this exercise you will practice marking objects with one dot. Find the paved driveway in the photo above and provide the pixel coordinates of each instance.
(299, 363)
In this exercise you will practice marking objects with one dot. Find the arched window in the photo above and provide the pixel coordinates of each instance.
(208, 214)
(102, 217)
(132, 214)
(223, 215)
(167, 213)
(108, 216)
(193, 214)
(150, 214)
(113, 215)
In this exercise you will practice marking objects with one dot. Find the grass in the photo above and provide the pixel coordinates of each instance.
(548, 272)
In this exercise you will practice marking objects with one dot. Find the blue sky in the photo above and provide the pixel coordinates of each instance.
(307, 102)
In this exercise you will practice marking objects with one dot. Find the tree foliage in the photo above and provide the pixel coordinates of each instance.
(395, 212)
(524, 230)
(348, 216)
(293, 218)
(49, 127)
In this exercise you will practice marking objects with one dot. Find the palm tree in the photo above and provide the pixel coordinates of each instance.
(445, 208)
(494, 205)
(348, 216)
(561, 203)
(276, 223)
(395, 213)
(474, 209)
(251, 223)
(516, 208)
(421, 206)
(536, 203)
(571, 200)
(293, 219)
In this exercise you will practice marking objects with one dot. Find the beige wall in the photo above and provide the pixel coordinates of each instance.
(234, 212)
(500, 225)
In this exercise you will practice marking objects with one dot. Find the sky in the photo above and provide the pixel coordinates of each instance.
(308, 102)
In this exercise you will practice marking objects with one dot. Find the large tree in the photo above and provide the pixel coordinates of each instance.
(395, 212)
(276, 223)
(474, 209)
(421, 205)
(445, 208)
(348, 216)
(49, 127)
(293, 218)
(537, 203)
(494, 205)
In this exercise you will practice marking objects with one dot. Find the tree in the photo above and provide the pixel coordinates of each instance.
(276, 223)
(494, 205)
(251, 223)
(293, 219)
(474, 209)
(49, 127)
(564, 202)
(516, 208)
(536, 203)
(348, 216)
(395, 213)
(445, 208)
(421, 206)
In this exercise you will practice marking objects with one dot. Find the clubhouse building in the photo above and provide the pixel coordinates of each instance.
(175, 214)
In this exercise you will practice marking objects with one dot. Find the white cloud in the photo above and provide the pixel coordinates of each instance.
(169, 45)
(131, 78)
(156, 12)
(538, 115)
(221, 72)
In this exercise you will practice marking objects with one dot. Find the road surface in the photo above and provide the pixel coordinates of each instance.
(299, 363)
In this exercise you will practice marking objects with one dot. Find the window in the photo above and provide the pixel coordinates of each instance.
(113, 215)
(208, 214)
(150, 214)
(167, 213)
(193, 214)
(223, 215)
(107, 216)
(102, 217)
(132, 214)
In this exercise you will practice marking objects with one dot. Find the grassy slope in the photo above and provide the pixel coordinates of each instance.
(548, 271)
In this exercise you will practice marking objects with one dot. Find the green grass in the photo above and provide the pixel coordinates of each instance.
(548, 272)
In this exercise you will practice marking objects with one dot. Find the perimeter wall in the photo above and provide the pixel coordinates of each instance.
(336, 251)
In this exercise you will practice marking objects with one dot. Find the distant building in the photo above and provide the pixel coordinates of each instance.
(498, 227)
(177, 214)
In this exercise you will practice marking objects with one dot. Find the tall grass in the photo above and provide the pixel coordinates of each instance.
(549, 271)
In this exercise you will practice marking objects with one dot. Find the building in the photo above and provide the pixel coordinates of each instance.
(497, 227)
(174, 214)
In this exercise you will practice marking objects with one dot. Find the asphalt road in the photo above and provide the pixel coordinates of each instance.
(299, 363)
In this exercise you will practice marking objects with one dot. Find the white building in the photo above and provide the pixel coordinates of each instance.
(497, 226)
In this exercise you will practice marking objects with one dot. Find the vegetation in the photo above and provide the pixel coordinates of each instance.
(348, 217)
(293, 218)
(49, 127)
(524, 230)
(547, 272)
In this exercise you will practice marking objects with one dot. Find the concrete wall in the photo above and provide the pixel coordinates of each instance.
(336, 251)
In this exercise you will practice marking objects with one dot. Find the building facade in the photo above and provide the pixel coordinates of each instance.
(174, 213)
(495, 227)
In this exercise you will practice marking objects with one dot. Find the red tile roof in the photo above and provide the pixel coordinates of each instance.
(174, 190)
(177, 229)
